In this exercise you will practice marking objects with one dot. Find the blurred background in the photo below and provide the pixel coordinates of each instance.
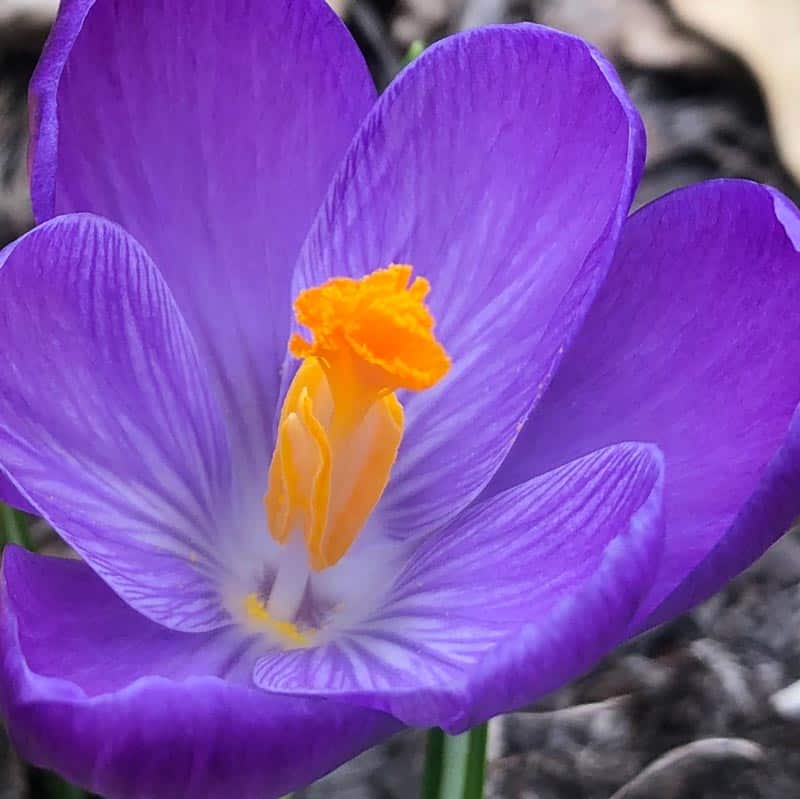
(708, 706)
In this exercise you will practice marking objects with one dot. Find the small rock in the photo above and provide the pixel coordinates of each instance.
(786, 702)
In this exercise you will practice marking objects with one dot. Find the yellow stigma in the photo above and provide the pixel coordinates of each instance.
(341, 423)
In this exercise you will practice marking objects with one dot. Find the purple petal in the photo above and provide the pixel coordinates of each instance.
(210, 131)
(693, 344)
(508, 194)
(132, 710)
(10, 495)
(517, 596)
(107, 422)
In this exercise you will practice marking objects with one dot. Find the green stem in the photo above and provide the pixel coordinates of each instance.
(455, 765)
(432, 776)
(476, 763)
(15, 526)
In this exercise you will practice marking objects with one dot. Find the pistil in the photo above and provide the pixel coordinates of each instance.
(291, 580)
(341, 423)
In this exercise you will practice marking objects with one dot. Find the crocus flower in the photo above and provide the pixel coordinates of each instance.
(361, 412)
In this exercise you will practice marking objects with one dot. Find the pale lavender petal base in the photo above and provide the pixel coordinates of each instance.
(131, 710)
(519, 595)
(694, 343)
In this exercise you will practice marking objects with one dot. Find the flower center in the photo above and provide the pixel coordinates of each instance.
(341, 423)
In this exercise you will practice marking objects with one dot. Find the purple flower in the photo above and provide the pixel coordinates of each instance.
(586, 426)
